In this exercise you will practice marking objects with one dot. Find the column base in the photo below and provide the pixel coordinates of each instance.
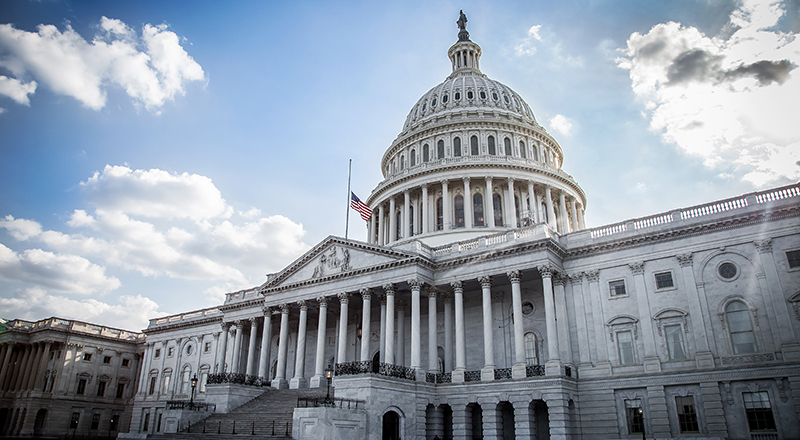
(420, 375)
(457, 376)
(317, 381)
(553, 368)
(704, 360)
(518, 371)
(652, 364)
(297, 383)
(280, 384)
(487, 373)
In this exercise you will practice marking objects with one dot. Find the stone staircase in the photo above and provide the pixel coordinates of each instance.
(268, 416)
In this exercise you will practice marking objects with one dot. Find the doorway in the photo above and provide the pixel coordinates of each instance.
(38, 424)
(391, 426)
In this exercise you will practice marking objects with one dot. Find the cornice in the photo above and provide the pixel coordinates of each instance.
(180, 325)
(241, 305)
(547, 244)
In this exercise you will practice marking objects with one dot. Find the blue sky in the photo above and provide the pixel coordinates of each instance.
(154, 155)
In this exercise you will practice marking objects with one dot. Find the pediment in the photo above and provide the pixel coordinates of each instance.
(332, 257)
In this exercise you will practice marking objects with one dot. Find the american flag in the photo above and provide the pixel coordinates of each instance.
(361, 207)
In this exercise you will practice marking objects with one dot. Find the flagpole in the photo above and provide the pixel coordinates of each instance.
(349, 196)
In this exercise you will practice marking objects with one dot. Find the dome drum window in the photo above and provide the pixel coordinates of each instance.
(494, 96)
(458, 96)
(483, 95)
(433, 103)
(470, 95)
(444, 99)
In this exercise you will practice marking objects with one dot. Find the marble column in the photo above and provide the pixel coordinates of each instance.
(237, 347)
(602, 363)
(392, 221)
(319, 380)
(366, 318)
(533, 206)
(461, 348)
(433, 352)
(468, 208)
(703, 357)
(553, 365)
(344, 300)
(551, 213)
(33, 367)
(406, 214)
(518, 369)
(23, 375)
(400, 355)
(424, 220)
(251, 347)
(140, 383)
(283, 342)
(266, 337)
(488, 204)
(563, 223)
(651, 362)
(8, 347)
(446, 217)
(574, 212)
(223, 345)
(37, 382)
(487, 372)
(584, 359)
(381, 225)
(416, 342)
(447, 300)
(382, 347)
(372, 228)
(581, 223)
(389, 333)
(8, 383)
(299, 380)
(512, 207)
(562, 325)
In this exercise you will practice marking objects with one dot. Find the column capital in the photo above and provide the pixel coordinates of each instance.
(489, 178)
(637, 267)
(236, 324)
(685, 260)
(431, 291)
(322, 301)
(763, 246)
(447, 297)
(575, 278)
(390, 288)
(366, 294)
(400, 304)
(486, 282)
(415, 283)
(381, 298)
(514, 276)
(266, 310)
(444, 181)
(546, 271)
(458, 286)
(303, 305)
(344, 297)
(424, 186)
(511, 180)
(559, 279)
(592, 276)
(253, 321)
(465, 179)
(284, 309)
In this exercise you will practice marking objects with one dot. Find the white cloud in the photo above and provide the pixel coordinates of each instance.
(64, 273)
(21, 229)
(730, 100)
(152, 67)
(561, 124)
(132, 312)
(16, 89)
(528, 45)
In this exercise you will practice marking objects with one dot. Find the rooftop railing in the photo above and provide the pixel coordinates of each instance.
(75, 326)
(188, 316)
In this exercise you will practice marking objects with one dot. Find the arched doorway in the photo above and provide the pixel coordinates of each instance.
(391, 426)
(38, 424)
(506, 410)
(376, 362)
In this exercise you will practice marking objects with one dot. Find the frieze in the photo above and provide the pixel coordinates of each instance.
(335, 260)
(735, 360)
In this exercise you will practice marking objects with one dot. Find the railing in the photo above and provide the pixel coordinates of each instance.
(778, 194)
(502, 373)
(398, 371)
(316, 402)
(472, 376)
(467, 245)
(76, 326)
(212, 311)
(764, 436)
(534, 370)
(191, 406)
(725, 205)
(492, 240)
(261, 427)
(439, 377)
(238, 378)
(350, 368)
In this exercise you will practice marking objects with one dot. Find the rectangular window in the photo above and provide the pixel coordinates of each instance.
(170, 351)
(73, 421)
(664, 280)
(674, 337)
(113, 424)
(152, 389)
(207, 347)
(120, 390)
(625, 346)
(106, 360)
(95, 421)
(87, 357)
(158, 353)
(634, 415)
(126, 363)
(617, 288)
(794, 258)
(165, 385)
(759, 411)
(146, 422)
(687, 417)
(101, 389)
(81, 387)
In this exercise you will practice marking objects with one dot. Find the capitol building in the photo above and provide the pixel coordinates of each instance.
(479, 306)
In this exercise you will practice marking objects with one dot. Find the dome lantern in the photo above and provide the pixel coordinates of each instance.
(464, 54)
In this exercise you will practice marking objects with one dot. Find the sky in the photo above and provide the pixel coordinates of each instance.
(155, 155)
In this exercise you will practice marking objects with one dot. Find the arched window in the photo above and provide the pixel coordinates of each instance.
(459, 210)
(399, 224)
(477, 208)
(497, 204)
(425, 153)
(457, 146)
(473, 145)
(531, 349)
(742, 337)
(410, 220)
(439, 215)
(507, 146)
(186, 374)
(440, 150)
(535, 153)
(413, 157)
(522, 152)
(402, 162)
(492, 147)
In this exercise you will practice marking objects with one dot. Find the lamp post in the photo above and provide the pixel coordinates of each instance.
(194, 384)
(329, 377)
(641, 413)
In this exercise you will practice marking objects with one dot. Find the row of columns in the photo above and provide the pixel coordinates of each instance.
(23, 365)
(561, 221)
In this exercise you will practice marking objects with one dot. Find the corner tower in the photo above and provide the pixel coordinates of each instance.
(471, 160)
